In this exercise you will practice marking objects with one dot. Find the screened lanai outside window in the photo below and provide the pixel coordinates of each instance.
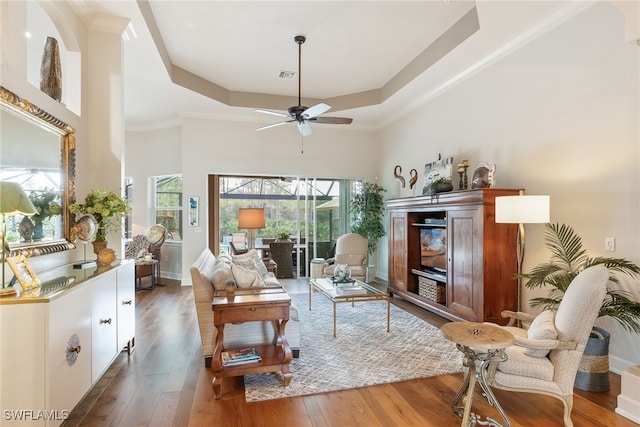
(167, 204)
(311, 211)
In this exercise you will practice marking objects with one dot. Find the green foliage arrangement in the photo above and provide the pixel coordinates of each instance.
(45, 204)
(107, 207)
(367, 209)
(568, 259)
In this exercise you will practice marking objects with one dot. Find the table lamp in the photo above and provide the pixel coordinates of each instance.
(251, 219)
(13, 201)
(522, 210)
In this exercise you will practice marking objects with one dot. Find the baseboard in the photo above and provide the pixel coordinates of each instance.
(618, 365)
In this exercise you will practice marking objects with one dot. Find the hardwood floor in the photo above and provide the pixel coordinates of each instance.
(165, 383)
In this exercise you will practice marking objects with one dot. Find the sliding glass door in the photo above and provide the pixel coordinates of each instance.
(312, 212)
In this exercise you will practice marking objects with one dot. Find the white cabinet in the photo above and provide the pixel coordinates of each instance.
(126, 302)
(56, 342)
(104, 336)
(70, 349)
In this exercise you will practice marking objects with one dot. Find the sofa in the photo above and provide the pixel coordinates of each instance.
(210, 273)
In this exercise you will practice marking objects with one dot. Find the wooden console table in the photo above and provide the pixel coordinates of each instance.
(260, 305)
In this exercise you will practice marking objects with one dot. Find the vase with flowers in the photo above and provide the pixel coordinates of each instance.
(46, 205)
(108, 208)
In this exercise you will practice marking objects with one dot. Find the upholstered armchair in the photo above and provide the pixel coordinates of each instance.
(545, 357)
(352, 250)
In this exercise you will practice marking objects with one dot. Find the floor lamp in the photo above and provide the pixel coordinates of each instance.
(251, 219)
(522, 210)
(13, 201)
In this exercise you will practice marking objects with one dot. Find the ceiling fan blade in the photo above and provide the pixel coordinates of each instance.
(316, 110)
(332, 120)
(275, 124)
(304, 128)
(273, 113)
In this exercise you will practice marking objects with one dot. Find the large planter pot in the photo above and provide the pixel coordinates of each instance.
(593, 372)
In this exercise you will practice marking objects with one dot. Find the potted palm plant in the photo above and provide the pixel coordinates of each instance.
(567, 260)
(367, 210)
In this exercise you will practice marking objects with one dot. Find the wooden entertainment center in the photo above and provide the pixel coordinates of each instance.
(474, 279)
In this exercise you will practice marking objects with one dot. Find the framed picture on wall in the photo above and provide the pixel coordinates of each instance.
(194, 204)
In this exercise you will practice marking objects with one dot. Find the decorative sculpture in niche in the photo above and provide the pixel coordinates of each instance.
(51, 70)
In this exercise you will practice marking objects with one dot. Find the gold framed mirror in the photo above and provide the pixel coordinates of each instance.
(37, 152)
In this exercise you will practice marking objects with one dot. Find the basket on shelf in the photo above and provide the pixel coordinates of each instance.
(432, 290)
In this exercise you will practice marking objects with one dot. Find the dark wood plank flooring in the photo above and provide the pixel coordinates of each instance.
(164, 383)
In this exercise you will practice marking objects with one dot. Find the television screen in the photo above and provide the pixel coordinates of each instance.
(433, 248)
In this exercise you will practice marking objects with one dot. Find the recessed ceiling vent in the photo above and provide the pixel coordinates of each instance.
(289, 75)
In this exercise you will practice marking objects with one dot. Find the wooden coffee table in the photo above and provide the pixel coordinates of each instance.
(257, 304)
(369, 293)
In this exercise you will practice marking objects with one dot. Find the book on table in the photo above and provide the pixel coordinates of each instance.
(238, 357)
(349, 289)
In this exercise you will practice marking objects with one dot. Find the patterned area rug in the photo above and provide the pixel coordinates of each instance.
(362, 354)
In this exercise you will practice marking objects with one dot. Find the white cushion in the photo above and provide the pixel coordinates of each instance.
(221, 274)
(518, 363)
(246, 278)
(252, 261)
(542, 328)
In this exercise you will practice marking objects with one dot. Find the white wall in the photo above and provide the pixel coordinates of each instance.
(560, 116)
(214, 146)
(101, 81)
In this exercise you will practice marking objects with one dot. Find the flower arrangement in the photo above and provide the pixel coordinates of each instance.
(45, 204)
(107, 207)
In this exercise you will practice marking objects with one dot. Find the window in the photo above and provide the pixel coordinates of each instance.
(167, 204)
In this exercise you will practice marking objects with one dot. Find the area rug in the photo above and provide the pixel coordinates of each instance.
(362, 354)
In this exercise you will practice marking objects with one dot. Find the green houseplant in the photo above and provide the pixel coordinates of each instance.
(107, 207)
(46, 207)
(567, 260)
(367, 209)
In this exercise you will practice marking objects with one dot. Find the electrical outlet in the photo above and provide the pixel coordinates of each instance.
(610, 244)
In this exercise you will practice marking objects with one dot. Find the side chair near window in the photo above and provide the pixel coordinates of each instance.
(151, 242)
(351, 249)
(282, 255)
(545, 357)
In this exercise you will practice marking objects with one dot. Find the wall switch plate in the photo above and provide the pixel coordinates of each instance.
(610, 244)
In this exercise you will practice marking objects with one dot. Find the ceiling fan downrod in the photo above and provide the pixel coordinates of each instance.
(300, 40)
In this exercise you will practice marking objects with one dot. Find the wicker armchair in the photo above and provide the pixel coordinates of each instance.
(282, 254)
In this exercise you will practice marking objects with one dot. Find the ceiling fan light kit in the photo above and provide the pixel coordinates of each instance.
(300, 114)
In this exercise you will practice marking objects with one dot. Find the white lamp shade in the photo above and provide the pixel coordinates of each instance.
(522, 209)
(14, 201)
(251, 218)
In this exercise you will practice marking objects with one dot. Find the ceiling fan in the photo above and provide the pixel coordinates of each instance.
(304, 115)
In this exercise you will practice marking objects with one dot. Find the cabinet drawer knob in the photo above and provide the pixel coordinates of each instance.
(74, 349)
(108, 321)
(252, 309)
(127, 302)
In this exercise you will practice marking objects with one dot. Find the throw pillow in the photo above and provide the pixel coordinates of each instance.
(246, 278)
(221, 274)
(542, 328)
(226, 258)
(252, 261)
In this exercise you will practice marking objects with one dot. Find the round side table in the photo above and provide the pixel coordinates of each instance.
(482, 344)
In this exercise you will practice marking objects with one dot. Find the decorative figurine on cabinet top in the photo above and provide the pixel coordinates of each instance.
(484, 176)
